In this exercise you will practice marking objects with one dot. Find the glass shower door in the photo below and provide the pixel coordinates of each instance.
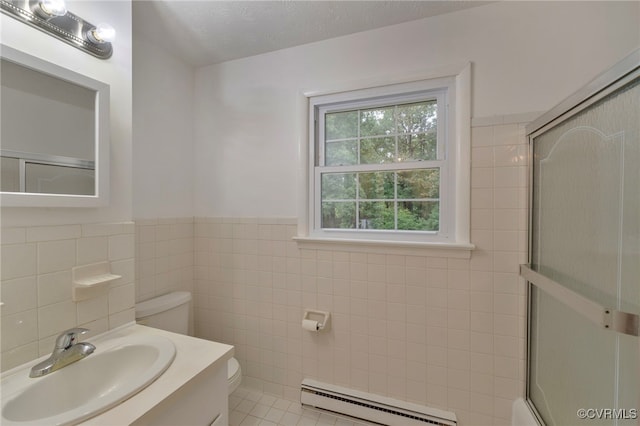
(584, 297)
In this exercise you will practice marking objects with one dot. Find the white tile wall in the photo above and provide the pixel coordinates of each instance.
(438, 331)
(36, 284)
(164, 256)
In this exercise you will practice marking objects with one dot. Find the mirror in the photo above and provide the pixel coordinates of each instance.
(54, 134)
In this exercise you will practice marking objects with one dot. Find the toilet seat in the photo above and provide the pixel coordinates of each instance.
(234, 374)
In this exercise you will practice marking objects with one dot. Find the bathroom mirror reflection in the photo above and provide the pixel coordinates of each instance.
(53, 134)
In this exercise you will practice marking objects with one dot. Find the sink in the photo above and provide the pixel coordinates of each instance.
(118, 369)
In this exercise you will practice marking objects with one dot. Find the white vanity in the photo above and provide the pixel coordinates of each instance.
(192, 390)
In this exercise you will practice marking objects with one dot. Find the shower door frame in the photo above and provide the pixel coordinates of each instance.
(616, 77)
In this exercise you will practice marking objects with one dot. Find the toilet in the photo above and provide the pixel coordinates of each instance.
(170, 312)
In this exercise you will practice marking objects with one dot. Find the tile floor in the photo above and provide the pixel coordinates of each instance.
(253, 408)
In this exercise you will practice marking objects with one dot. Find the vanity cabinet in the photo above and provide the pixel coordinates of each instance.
(202, 401)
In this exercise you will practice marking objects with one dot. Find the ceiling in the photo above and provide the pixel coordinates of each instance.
(210, 32)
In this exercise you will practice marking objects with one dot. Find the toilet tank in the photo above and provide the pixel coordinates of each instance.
(168, 312)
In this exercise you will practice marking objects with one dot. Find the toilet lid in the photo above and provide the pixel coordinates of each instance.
(232, 368)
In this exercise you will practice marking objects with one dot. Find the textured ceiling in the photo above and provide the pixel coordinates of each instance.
(209, 32)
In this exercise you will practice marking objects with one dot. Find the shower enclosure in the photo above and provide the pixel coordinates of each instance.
(584, 254)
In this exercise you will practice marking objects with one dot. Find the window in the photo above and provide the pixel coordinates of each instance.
(382, 164)
(380, 167)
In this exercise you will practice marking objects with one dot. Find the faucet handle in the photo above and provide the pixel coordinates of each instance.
(68, 338)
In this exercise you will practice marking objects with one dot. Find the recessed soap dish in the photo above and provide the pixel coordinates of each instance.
(90, 280)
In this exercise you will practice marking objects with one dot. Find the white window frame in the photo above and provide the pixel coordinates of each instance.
(451, 87)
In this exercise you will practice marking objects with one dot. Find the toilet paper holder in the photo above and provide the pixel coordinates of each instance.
(320, 318)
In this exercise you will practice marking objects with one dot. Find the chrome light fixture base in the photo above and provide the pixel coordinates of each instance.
(69, 28)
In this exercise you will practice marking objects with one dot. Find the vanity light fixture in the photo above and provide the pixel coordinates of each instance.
(53, 18)
(102, 33)
(50, 8)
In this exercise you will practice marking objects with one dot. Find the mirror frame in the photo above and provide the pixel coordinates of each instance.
(101, 139)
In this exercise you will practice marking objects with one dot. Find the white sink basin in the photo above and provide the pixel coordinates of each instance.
(118, 369)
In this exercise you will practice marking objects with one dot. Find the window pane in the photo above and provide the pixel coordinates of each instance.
(377, 150)
(418, 215)
(416, 147)
(380, 184)
(341, 125)
(341, 153)
(339, 215)
(377, 185)
(419, 183)
(377, 121)
(338, 186)
(376, 215)
(417, 118)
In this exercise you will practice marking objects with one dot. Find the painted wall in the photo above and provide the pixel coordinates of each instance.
(163, 90)
(116, 72)
(162, 132)
(527, 56)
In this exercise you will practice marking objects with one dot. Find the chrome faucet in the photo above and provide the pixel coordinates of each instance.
(66, 351)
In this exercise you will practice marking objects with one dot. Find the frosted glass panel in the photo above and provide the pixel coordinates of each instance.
(586, 236)
(572, 362)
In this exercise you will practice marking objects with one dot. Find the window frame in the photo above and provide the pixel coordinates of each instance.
(452, 84)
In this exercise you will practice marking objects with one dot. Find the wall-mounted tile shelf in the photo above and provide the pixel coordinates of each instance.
(90, 280)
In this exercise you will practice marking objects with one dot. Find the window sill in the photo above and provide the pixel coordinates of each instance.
(454, 250)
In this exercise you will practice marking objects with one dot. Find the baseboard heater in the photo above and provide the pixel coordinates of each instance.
(370, 407)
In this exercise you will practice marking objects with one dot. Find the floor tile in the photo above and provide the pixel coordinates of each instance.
(290, 419)
(245, 406)
(250, 421)
(260, 410)
(248, 407)
(274, 415)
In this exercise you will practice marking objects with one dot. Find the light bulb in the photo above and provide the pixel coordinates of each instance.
(49, 8)
(102, 33)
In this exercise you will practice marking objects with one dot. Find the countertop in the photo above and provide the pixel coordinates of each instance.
(193, 356)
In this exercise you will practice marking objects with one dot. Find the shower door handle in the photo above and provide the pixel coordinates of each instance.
(607, 318)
